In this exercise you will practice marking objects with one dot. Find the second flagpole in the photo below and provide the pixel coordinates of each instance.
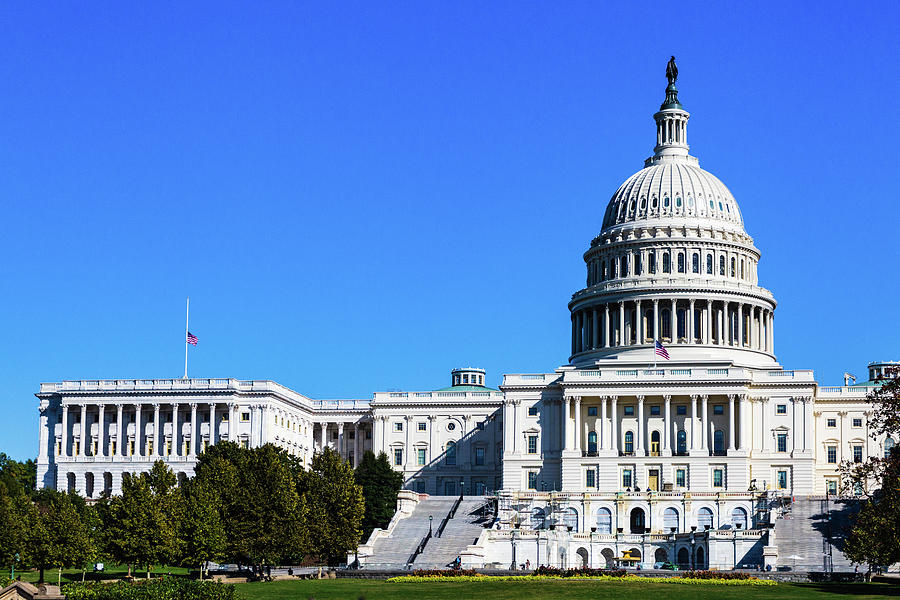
(187, 312)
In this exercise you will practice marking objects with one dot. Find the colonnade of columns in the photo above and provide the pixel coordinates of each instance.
(612, 426)
(107, 443)
(349, 447)
(697, 321)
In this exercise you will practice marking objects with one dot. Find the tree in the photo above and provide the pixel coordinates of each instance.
(336, 506)
(874, 537)
(18, 476)
(380, 486)
(12, 516)
(203, 535)
(142, 523)
(59, 531)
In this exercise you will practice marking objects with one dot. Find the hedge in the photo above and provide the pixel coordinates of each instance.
(167, 588)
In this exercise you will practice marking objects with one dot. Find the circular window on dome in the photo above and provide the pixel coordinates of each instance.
(712, 205)
(451, 426)
(720, 206)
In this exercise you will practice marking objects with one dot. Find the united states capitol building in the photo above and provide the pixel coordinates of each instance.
(619, 452)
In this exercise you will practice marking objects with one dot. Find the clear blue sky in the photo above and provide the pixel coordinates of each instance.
(361, 196)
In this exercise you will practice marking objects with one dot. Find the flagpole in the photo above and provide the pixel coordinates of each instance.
(187, 312)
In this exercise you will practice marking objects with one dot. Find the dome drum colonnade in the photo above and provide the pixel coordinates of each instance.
(673, 262)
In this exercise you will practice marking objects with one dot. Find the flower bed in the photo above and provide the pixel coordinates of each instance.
(589, 574)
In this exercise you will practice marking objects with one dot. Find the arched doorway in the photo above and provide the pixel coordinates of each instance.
(604, 521)
(739, 518)
(609, 558)
(684, 559)
(701, 564)
(670, 519)
(88, 485)
(583, 558)
(570, 519)
(704, 519)
(638, 520)
(660, 556)
(107, 483)
(70, 482)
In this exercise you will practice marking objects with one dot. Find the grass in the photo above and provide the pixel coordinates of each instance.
(356, 589)
(111, 572)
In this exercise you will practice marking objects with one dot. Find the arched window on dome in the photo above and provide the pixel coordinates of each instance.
(637, 263)
(690, 202)
(603, 270)
(695, 263)
(678, 202)
(666, 202)
(720, 207)
(681, 262)
(742, 268)
(667, 263)
(655, 203)
(712, 205)
(643, 203)
(613, 268)
(624, 266)
(652, 263)
(709, 264)
(733, 270)
(888, 446)
(722, 266)
(665, 326)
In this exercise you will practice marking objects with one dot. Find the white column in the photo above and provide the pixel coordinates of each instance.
(614, 438)
(731, 425)
(673, 321)
(705, 428)
(764, 445)
(752, 325)
(721, 337)
(83, 434)
(795, 425)
(689, 325)
(323, 440)
(138, 438)
(566, 436)
(655, 319)
(638, 323)
(667, 444)
(640, 450)
(232, 423)
(772, 332)
(807, 425)
(212, 423)
(578, 431)
(155, 429)
(192, 449)
(120, 431)
(606, 325)
(707, 338)
(342, 446)
(65, 430)
(602, 437)
(621, 323)
(740, 310)
(694, 441)
(101, 431)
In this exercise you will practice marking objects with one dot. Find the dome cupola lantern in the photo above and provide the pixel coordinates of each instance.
(671, 123)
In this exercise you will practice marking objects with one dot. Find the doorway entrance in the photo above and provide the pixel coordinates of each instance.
(653, 480)
(637, 520)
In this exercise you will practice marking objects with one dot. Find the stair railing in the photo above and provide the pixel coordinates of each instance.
(419, 549)
(449, 516)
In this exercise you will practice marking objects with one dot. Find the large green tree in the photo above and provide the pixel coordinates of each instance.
(380, 486)
(874, 537)
(60, 531)
(142, 523)
(203, 536)
(336, 506)
(18, 476)
(13, 510)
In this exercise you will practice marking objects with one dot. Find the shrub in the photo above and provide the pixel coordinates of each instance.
(714, 575)
(445, 573)
(584, 572)
(167, 588)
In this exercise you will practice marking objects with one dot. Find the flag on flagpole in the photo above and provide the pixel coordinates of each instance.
(192, 339)
(661, 350)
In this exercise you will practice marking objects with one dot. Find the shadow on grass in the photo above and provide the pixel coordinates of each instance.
(855, 589)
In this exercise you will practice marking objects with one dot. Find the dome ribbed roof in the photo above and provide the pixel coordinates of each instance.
(673, 188)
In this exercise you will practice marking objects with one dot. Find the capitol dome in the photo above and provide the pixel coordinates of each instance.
(672, 265)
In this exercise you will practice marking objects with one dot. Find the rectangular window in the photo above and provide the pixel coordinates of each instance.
(626, 478)
(629, 411)
(398, 456)
(245, 417)
(420, 456)
(590, 478)
(781, 409)
(532, 480)
(718, 409)
(832, 455)
(717, 477)
(654, 410)
(857, 454)
(679, 477)
(398, 426)
(422, 426)
(681, 410)
(831, 486)
(533, 410)
(831, 422)
(782, 480)
(857, 422)
(592, 411)
(479, 456)
(532, 444)
(244, 444)
(782, 442)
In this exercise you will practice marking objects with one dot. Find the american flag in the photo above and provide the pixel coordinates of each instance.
(192, 340)
(661, 350)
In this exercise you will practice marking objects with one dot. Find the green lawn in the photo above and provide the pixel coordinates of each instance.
(111, 572)
(351, 589)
